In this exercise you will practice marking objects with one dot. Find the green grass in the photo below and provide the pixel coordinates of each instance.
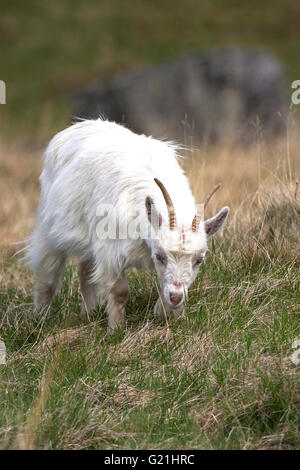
(50, 50)
(221, 378)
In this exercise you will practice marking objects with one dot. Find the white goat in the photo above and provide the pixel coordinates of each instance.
(99, 164)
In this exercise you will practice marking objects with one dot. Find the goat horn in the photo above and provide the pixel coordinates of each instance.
(195, 223)
(198, 216)
(210, 194)
(169, 203)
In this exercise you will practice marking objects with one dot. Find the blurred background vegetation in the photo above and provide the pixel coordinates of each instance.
(50, 50)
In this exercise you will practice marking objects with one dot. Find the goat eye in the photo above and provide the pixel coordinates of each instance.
(198, 261)
(162, 259)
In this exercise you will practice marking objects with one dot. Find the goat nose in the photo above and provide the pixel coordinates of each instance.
(177, 284)
(175, 298)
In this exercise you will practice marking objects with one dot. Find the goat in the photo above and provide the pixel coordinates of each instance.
(96, 166)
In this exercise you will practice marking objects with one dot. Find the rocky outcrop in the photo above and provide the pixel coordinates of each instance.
(220, 94)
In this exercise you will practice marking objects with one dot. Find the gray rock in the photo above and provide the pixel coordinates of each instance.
(220, 94)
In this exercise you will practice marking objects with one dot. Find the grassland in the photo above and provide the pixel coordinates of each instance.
(50, 49)
(221, 378)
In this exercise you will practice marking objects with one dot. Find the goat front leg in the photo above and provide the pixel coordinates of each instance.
(117, 299)
(89, 290)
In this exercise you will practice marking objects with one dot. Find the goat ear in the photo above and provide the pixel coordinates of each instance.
(213, 225)
(154, 217)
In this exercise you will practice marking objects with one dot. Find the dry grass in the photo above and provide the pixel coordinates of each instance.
(242, 171)
(19, 172)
